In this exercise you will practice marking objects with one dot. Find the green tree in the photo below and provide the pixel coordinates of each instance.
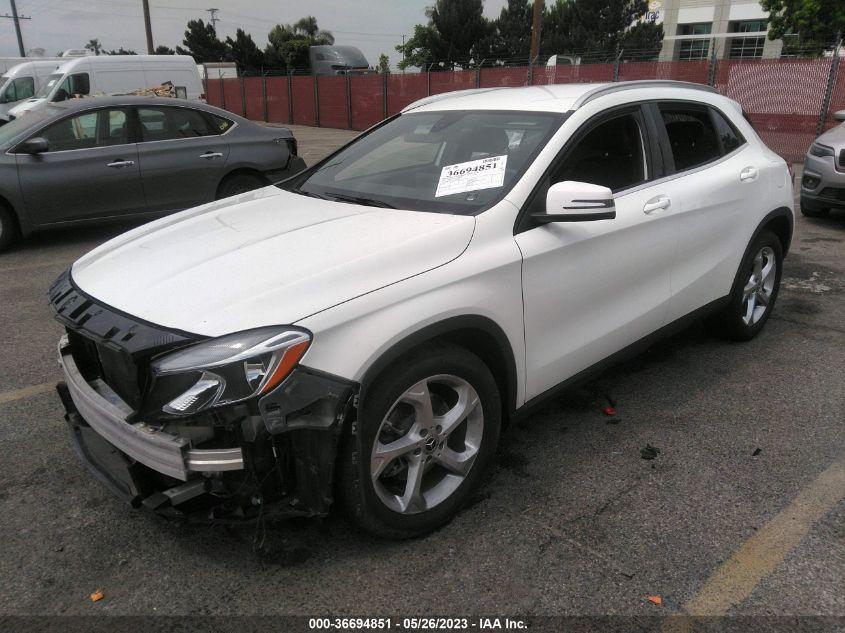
(457, 34)
(383, 66)
(812, 22)
(95, 46)
(164, 50)
(289, 43)
(512, 36)
(120, 51)
(202, 44)
(642, 41)
(244, 52)
(599, 29)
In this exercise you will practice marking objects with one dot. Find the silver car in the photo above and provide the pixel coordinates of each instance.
(88, 160)
(823, 182)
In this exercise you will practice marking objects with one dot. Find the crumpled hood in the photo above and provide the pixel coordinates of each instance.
(264, 258)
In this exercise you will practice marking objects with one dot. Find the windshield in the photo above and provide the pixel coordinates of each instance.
(450, 162)
(48, 87)
(347, 55)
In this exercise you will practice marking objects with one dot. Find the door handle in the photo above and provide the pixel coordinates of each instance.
(208, 155)
(121, 163)
(656, 203)
(749, 173)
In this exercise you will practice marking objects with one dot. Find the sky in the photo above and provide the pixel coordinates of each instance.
(374, 26)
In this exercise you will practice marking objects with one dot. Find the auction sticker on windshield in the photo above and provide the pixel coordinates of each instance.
(484, 173)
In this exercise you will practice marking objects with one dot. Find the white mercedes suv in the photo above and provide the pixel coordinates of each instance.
(361, 333)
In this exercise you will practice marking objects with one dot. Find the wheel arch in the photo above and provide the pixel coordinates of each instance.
(478, 334)
(239, 171)
(781, 223)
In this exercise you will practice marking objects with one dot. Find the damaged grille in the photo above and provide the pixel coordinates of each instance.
(108, 344)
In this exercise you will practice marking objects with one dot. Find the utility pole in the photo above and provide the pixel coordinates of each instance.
(214, 19)
(148, 26)
(536, 25)
(17, 18)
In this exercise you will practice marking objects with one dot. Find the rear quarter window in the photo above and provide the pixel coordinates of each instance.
(729, 136)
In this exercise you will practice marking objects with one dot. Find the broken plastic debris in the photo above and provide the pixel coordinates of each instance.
(649, 452)
(97, 595)
(608, 410)
(756, 452)
(655, 599)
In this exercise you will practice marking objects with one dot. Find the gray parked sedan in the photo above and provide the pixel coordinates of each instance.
(94, 159)
(823, 180)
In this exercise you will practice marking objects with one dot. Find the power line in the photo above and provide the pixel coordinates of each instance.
(214, 19)
(17, 20)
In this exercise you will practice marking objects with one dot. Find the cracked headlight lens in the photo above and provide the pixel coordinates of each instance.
(228, 369)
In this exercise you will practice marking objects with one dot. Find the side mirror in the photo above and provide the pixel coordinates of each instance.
(571, 201)
(839, 116)
(61, 95)
(35, 145)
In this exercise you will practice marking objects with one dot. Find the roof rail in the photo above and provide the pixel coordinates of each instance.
(605, 89)
(446, 95)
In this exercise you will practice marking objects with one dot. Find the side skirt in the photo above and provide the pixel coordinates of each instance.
(614, 359)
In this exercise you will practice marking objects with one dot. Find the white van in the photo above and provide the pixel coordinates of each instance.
(22, 82)
(115, 75)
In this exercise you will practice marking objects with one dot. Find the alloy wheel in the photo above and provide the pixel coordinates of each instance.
(427, 444)
(757, 293)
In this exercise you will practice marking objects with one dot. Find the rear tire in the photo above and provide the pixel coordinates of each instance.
(421, 444)
(238, 184)
(756, 289)
(8, 227)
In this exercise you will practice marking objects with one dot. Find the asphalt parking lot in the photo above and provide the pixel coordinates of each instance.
(741, 512)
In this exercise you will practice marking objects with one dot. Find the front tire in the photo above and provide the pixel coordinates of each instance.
(756, 289)
(8, 227)
(238, 184)
(421, 444)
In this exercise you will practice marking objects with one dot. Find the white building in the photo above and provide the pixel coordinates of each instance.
(737, 28)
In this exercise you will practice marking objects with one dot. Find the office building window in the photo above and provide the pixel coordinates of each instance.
(694, 48)
(747, 47)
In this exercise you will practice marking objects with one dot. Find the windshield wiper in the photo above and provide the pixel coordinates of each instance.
(310, 194)
(368, 202)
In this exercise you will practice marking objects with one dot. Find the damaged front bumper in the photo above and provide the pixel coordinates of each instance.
(274, 457)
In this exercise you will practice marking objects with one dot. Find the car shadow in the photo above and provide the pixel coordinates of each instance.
(73, 236)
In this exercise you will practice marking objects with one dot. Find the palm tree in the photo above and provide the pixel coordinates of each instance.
(94, 45)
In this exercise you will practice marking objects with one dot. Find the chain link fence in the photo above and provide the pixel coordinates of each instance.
(789, 100)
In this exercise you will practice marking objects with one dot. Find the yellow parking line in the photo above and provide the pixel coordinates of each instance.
(760, 555)
(26, 392)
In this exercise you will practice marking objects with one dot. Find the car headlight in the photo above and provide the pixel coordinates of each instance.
(817, 149)
(227, 369)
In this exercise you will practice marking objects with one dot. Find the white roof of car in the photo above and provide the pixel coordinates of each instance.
(541, 98)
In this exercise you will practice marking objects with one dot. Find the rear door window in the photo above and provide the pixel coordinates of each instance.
(164, 124)
(692, 136)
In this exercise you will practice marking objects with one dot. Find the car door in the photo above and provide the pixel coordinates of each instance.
(89, 171)
(592, 288)
(717, 176)
(182, 154)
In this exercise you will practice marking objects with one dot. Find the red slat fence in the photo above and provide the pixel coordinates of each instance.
(788, 100)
